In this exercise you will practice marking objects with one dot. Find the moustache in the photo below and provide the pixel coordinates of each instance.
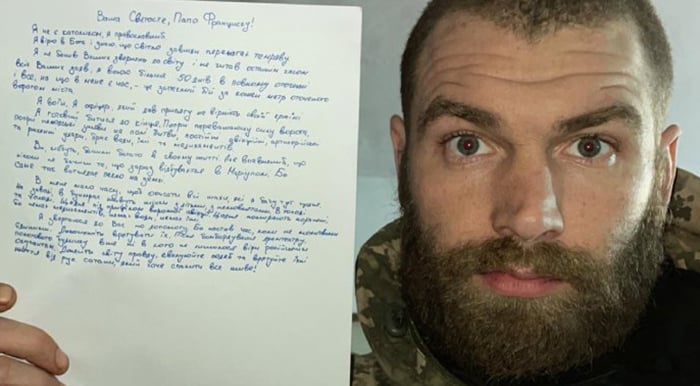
(576, 266)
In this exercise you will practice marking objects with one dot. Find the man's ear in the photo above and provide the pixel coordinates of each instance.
(669, 145)
(398, 139)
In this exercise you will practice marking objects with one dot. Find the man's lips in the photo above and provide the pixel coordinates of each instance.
(521, 283)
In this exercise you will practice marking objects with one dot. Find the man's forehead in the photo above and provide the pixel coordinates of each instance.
(474, 40)
(463, 48)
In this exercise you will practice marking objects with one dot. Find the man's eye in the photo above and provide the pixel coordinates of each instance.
(467, 145)
(589, 147)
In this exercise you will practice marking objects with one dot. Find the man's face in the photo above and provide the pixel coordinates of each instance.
(533, 189)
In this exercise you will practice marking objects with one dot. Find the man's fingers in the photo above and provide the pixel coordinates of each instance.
(16, 373)
(32, 344)
(8, 297)
(26, 342)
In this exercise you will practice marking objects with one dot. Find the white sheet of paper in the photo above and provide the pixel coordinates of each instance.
(179, 187)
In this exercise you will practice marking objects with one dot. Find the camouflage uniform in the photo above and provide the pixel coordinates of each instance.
(398, 355)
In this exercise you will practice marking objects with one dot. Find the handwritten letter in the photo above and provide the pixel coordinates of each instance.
(179, 187)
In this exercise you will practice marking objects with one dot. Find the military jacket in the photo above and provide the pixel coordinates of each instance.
(663, 350)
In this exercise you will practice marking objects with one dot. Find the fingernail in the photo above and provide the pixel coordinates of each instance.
(6, 294)
(61, 359)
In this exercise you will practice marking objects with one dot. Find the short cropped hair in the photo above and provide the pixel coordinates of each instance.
(533, 19)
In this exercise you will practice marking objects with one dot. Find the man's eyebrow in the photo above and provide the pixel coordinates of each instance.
(444, 107)
(618, 111)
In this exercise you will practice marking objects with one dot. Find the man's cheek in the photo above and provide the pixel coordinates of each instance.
(454, 212)
(595, 218)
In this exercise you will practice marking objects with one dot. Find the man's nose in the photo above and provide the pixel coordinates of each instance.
(527, 204)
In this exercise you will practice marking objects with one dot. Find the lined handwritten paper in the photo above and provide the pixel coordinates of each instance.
(179, 187)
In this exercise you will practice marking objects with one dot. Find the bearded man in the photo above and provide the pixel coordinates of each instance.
(535, 175)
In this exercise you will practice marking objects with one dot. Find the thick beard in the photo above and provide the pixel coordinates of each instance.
(473, 331)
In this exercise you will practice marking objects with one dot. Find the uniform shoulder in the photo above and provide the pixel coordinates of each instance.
(682, 234)
(366, 371)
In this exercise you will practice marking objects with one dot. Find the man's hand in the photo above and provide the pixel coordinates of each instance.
(20, 342)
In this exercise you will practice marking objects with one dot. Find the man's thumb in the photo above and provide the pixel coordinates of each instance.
(8, 297)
